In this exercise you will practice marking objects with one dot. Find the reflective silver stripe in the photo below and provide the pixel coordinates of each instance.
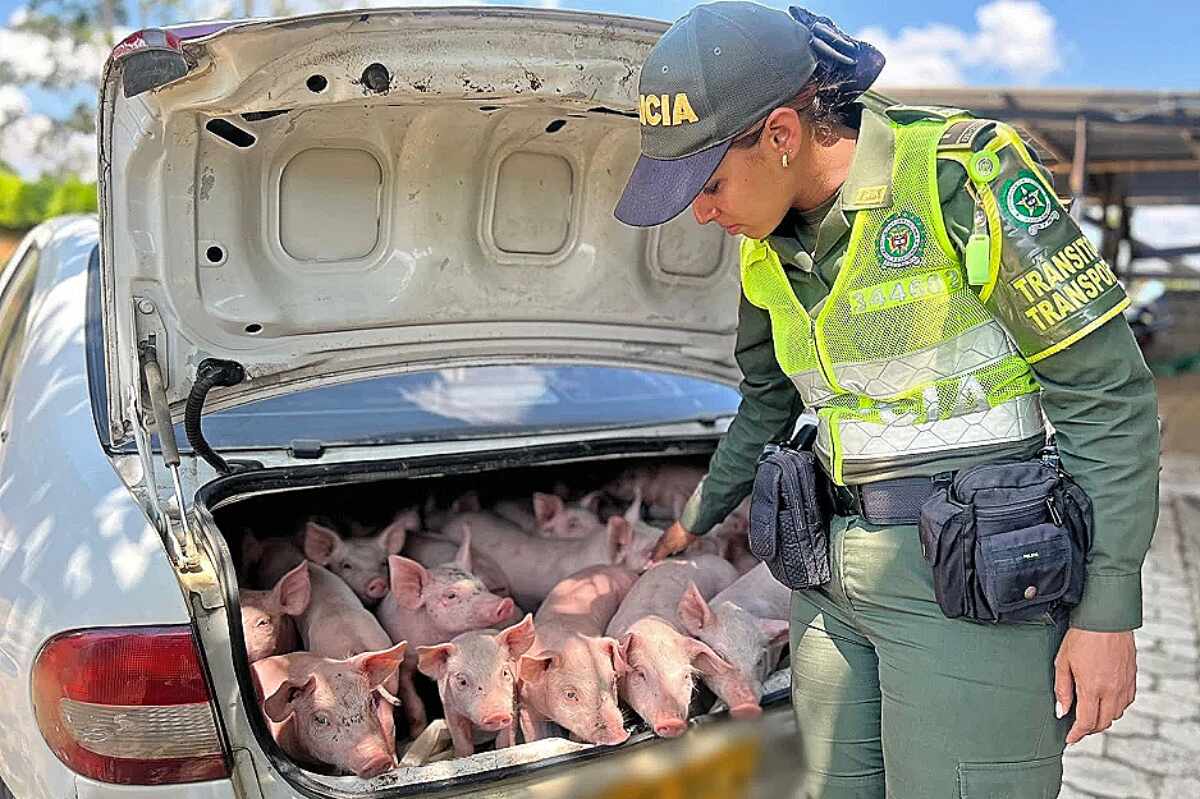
(812, 387)
(969, 352)
(869, 444)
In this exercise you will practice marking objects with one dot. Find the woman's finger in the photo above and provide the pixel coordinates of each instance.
(1087, 712)
(1064, 687)
(1110, 710)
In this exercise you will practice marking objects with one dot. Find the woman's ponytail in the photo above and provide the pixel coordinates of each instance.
(846, 67)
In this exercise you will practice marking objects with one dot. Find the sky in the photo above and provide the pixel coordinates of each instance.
(1110, 44)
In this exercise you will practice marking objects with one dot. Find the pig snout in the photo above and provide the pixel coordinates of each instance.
(669, 727)
(496, 721)
(748, 710)
(377, 588)
(500, 611)
(610, 733)
(374, 765)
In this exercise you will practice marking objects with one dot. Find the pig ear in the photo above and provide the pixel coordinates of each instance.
(462, 558)
(518, 638)
(293, 591)
(320, 542)
(546, 506)
(694, 611)
(591, 501)
(776, 631)
(620, 538)
(532, 669)
(379, 666)
(392, 537)
(432, 660)
(626, 644)
(634, 512)
(281, 704)
(468, 502)
(613, 647)
(706, 661)
(408, 579)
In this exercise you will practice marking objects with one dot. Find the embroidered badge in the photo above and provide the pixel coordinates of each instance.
(902, 240)
(1028, 204)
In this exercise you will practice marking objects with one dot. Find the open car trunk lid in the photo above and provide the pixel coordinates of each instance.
(346, 195)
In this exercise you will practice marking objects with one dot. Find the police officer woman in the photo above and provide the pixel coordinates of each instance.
(909, 275)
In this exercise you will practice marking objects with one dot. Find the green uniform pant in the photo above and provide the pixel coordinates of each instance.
(893, 699)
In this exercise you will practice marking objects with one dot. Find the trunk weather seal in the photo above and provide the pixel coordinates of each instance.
(219, 492)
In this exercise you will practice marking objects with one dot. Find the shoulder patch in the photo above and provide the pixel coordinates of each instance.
(962, 135)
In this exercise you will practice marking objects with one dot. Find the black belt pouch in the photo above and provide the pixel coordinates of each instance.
(1008, 542)
(789, 517)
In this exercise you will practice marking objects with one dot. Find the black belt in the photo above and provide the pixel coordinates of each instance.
(885, 502)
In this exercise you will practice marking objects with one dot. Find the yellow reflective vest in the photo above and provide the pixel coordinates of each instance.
(901, 362)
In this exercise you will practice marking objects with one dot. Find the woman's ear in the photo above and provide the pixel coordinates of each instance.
(784, 131)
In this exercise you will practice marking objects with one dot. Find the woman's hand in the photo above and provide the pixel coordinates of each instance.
(675, 539)
(1098, 672)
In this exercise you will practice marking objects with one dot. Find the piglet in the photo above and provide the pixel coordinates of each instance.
(535, 565)
(431, 606)
(665, 487)
(570, 674)
(549, 516)
(759, 593)
(267, 625)
(646, 535)
(476, 678)
(432, 550)
(325, 711)
(662, 658)
(266, 560)
(752, 645)
(361, 562)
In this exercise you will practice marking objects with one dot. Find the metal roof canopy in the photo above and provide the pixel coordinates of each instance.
(1115, 149)
(1140, 147)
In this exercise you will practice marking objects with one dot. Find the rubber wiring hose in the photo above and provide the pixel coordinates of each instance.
(212, 372)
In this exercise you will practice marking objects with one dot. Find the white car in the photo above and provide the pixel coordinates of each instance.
(377, 249)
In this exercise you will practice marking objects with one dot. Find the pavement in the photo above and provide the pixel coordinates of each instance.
(1153, 751)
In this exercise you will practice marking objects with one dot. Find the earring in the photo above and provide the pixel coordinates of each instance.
(785, 160)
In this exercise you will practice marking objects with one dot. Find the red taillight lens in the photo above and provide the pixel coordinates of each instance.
(128, 705)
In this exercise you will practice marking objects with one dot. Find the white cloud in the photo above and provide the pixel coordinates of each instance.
(33, 57)
(929, 56)
(13, 103)
(32, 144)
(1019, 36)
(1016, 38)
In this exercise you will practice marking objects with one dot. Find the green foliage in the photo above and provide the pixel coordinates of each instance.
(24, 204)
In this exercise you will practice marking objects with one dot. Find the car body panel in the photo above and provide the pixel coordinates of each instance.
(460, 213)
(76, 549)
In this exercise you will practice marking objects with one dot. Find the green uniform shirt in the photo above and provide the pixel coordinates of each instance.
(1096, 389)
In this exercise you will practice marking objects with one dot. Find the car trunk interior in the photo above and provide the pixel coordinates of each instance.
(277, 502)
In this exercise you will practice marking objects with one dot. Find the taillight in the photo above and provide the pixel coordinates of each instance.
(128, 705)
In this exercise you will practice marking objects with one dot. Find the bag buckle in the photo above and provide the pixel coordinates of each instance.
(1054, 514)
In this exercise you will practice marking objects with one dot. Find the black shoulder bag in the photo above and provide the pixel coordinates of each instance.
(789, 513)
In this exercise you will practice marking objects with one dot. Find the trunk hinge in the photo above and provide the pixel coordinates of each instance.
(184, 549)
